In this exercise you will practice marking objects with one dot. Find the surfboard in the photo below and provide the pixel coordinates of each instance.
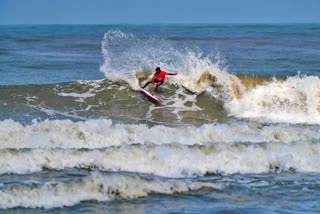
(150, 96)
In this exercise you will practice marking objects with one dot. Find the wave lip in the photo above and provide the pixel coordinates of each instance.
(97, 187)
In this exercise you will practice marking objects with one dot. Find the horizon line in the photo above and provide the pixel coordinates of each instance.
(217, 23)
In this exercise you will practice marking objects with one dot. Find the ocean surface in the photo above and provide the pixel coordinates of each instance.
(237, 131)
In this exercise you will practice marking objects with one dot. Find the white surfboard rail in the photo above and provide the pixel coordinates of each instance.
(150, 96)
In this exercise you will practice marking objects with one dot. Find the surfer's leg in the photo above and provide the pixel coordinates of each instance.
(147, 83)
(157, 86)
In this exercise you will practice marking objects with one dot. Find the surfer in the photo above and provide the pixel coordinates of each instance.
(158, 78)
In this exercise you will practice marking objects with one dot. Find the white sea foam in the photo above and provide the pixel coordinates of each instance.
(170, 160)
(159, 150)
(95, 187)
(83, 95)
(94, 88)
(295, 100)
(102, 133)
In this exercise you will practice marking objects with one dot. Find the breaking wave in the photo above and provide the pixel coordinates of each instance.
(96, 187)
(158, 150)
(290, 100)
(102, 133)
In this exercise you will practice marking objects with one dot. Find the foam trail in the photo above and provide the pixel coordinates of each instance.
(170, 160)
(102, 133)
(96, 187)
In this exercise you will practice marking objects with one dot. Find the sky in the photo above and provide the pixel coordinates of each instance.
(158, 11)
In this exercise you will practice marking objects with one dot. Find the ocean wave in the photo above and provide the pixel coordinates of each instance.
(96, 187)
(202, 92)
(102, 133)
(171, 160)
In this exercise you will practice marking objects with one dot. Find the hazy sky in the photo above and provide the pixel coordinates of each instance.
(158, 11)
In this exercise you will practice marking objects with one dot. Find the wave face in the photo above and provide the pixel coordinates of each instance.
(294, 100)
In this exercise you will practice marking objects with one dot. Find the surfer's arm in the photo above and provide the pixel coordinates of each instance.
(172, 73)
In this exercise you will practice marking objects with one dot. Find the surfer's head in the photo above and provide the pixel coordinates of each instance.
(158, 69)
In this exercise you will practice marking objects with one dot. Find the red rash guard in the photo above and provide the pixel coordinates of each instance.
(160, 77)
